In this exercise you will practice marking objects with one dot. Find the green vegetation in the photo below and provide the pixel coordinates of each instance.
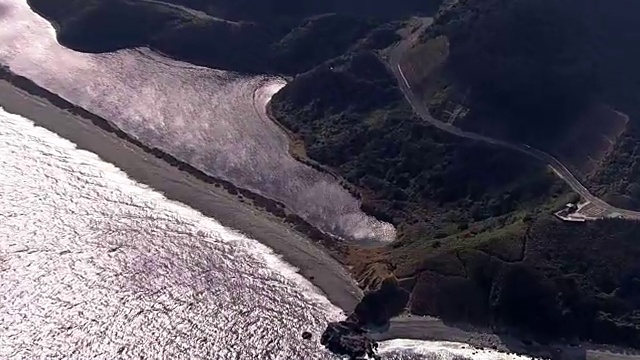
(526, 68)
(615, 32)
(545, 277)
(523, 66)
(353, 119)
(618, 179)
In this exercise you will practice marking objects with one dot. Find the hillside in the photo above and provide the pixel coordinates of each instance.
(352, 117)
(545, 277)
(530, 70)
(459, 205)
(618, 34)
(525, 66)
(476, 239)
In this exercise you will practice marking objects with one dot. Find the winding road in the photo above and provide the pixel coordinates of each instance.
(393, 60)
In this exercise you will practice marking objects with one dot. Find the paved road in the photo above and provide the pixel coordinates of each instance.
(393, 61)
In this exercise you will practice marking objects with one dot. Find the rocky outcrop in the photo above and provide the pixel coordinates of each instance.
(350, 337)
(378, 307)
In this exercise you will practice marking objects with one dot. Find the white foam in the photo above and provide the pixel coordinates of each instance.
(55, 198)
(444, 350)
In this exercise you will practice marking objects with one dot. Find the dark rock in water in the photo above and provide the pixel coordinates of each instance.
(307, 335)
(350, 337)
(347, 338)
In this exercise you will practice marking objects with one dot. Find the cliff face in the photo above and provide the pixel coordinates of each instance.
(350, 337)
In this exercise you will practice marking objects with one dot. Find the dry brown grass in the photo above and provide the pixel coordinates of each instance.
(369, 266)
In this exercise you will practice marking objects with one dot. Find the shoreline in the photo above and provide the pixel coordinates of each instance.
(267, 221)
(264, 220)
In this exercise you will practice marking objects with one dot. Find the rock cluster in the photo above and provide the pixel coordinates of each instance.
(350, 337)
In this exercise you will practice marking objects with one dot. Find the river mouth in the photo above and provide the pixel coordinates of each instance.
(214, 120)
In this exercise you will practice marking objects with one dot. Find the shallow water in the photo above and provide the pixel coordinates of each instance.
(94, 265)
(402, 349)
(212, 119)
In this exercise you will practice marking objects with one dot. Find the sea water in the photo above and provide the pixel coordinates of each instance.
(93, 264)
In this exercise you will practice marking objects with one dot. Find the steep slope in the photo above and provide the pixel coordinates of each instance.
(351, 117)
(535, 71)
(524, 66)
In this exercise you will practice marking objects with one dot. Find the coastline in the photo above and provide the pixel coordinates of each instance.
(262, 219)
(259, 218)
(298, 152)
(273, 207)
